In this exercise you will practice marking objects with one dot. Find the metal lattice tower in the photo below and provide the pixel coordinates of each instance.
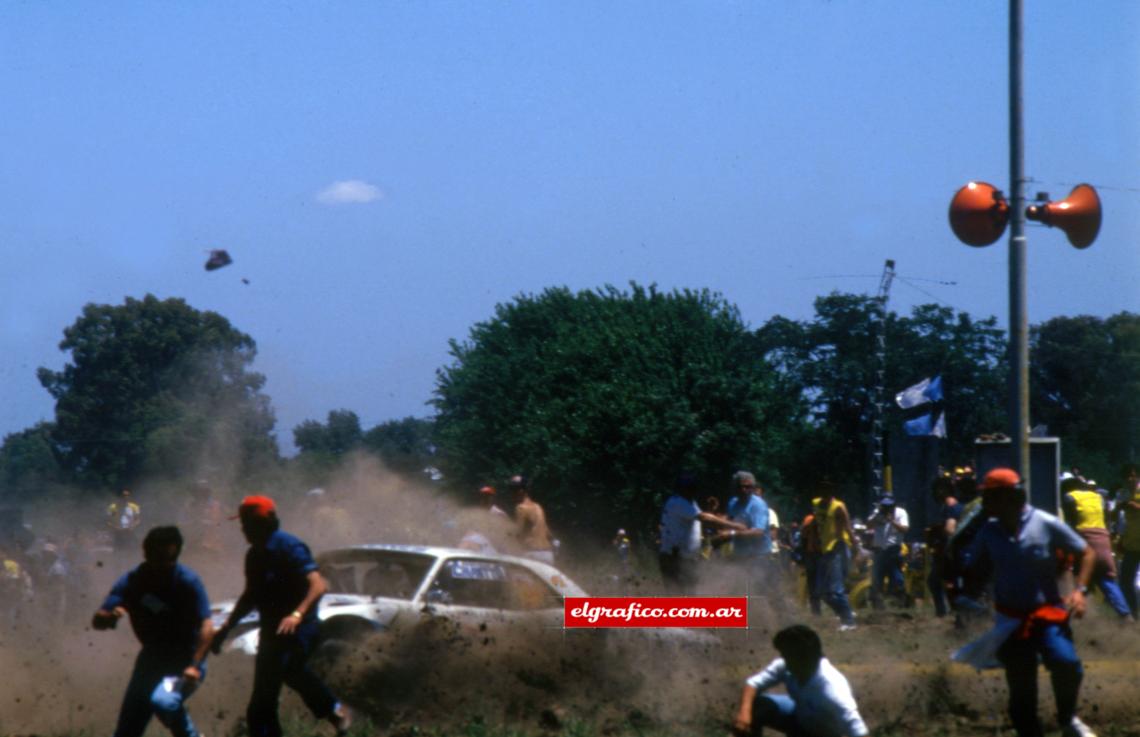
(878, 386)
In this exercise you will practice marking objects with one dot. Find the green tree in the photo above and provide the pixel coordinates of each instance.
(831, 363)
(340, 434)
(405, 446)
(1086, 387)
(602, 397)
(321, 446)
(157, 388)
(28, 463)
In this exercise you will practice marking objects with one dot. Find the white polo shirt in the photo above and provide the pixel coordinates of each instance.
(680, 528)
(886, 534)
(825, 706)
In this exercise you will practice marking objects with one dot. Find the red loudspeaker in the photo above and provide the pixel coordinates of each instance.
(1078, 215)
(978, 214)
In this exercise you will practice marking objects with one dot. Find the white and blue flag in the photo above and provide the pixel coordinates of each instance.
(925, 398)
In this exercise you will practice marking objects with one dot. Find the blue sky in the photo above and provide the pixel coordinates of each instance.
(384, 173)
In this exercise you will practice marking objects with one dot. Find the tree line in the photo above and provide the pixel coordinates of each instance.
(601, 396)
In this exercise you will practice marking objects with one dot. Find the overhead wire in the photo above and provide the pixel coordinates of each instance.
(908, 282)
(1105, 187)
(841, 276)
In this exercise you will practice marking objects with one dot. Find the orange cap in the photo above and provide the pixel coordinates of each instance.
(256, 506)
(490, 490)
(1001, 478)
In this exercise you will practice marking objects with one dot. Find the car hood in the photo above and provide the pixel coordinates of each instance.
(380, 612)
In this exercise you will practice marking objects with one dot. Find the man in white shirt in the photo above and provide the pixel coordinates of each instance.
(890, 524)
(819, 702)
(681, 538)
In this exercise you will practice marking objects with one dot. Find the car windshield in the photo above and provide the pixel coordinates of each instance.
(390, 574)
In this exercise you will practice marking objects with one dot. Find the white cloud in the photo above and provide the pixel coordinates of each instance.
(349, 192)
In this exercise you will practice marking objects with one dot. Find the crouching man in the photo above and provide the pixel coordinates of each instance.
(170, 616)
(818, 703)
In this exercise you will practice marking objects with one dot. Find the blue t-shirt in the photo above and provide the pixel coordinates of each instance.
(276, 578)
(166, 608)
(1025, 565)
(754, 513)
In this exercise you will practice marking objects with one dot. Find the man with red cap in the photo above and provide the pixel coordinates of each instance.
(487, 501)
(1019, 545)
(282, 582)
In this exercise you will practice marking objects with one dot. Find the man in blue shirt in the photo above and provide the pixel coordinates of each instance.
(282, 582)
(1019, 545)
(747, 528)
(170, 616)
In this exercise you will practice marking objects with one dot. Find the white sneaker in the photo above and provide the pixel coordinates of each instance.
(342, 718)
(1077, 728)
(849, 627)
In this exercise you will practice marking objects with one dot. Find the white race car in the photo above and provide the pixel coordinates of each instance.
(374, 588)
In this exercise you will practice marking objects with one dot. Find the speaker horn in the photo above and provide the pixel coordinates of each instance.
(1078, 215)
(978, 214)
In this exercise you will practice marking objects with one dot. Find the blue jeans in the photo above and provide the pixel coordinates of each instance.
(148, 696)
(811, 577)
(1128, 567)
(1112, 594)
(887, 564)
(936, 582)
(283, 661)
(775, 711)
(1054, 643)
(832, 586)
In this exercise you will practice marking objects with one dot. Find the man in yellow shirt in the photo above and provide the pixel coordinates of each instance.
(1085, 511)
(837, 543)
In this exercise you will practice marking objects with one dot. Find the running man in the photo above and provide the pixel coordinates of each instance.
(170, 615)
(282, 582)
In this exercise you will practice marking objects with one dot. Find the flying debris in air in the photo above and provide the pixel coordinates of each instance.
(218, 259)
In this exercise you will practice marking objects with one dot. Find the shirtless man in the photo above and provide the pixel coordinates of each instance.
(530, 522)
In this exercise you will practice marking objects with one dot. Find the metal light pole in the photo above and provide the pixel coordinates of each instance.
(1018, 320)
(979, 214)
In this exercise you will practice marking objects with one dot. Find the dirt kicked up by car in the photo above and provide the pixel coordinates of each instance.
(378, 588)
(374, 588)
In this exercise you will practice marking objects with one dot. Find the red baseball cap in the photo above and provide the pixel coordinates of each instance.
(1001, 478)
(487, 490)
(256, 506)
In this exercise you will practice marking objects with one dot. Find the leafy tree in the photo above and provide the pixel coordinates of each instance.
(405, 445)
(339, 435)
(602, 397)
(831, 363)
(156, 387)
(28, 464)
(1086, 387)
(322, 445)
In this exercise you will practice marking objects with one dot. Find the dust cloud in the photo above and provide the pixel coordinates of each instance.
(63, 677)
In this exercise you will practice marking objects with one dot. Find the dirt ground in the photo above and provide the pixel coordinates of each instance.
(440, 679)
(62, 678)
